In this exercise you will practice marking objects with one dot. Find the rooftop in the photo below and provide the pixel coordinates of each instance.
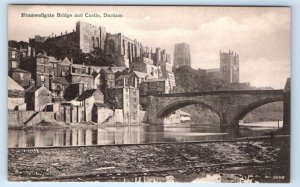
(53, 59)
(60, 80)
(140, 74)
(86, 94)
(40, 55)
(20, 70)
(65, 62)
(107, 70)
(33, 89)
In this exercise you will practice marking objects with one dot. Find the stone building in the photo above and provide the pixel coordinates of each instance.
(182, 55)
(146, 65)
(16, 96)
(58, 85)
(73, 90)
(78, 68)
(37, 97)
(123, 80)
(136, 78)
(14, 56)
(41, 73)
(85, 38)
(102, 112)
(90, 37)
(86, 79)
(23, 48)
(88, 98)
(71, 112)
(22, 77)
(229, 67)
(122, 49)
(107, 77)
(125, 100)
(155, 86)
(63, 68)
(53, 66)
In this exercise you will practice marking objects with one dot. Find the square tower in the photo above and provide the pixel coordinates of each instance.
(229, 65)
(182, 55)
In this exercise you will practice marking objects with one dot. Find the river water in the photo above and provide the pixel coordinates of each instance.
(138, 134)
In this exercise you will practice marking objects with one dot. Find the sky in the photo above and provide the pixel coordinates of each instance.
(260, 35)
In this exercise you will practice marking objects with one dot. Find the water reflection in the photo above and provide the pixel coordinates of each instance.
(129, 135)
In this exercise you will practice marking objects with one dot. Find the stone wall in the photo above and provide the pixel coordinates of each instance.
(17, 118)
(14, 102)
(20, 118)
(104, 114)
(90, 36)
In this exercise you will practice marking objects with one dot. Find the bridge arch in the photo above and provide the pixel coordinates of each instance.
(245, 110)
(167, 110)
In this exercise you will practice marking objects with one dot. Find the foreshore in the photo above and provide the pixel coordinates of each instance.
(65, 163)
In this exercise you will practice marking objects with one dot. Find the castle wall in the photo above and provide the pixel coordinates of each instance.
(90, 36)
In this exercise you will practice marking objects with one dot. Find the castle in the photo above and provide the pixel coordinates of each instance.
(88, 38)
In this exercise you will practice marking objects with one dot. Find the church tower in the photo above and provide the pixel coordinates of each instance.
(229, 65)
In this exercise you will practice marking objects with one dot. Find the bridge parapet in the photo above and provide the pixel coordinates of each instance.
(229, 105)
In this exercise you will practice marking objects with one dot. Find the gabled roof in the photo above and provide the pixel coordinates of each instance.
(140, 74)
(60, 80)
(40, 55)
(107, 70)
(20, 70)
(86, 94)
(33, 89)
(53, 59)
(65, 62)
(13, 85)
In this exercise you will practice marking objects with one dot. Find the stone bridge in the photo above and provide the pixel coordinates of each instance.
(230, 106)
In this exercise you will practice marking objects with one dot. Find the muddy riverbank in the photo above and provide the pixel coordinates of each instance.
(108, 162)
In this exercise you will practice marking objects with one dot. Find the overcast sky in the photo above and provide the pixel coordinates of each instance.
(261, 36)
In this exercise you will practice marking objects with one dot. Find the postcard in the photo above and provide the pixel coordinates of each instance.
(149, 93)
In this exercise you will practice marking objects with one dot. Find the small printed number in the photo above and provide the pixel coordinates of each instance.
(278, 177)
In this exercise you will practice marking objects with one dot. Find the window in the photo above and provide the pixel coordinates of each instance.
(14, 64)
(21, 76)
(13, 54)
(42, 78)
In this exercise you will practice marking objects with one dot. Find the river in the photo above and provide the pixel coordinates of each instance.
(138, 134)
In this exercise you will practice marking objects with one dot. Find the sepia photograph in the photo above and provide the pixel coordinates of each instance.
(186, 94)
